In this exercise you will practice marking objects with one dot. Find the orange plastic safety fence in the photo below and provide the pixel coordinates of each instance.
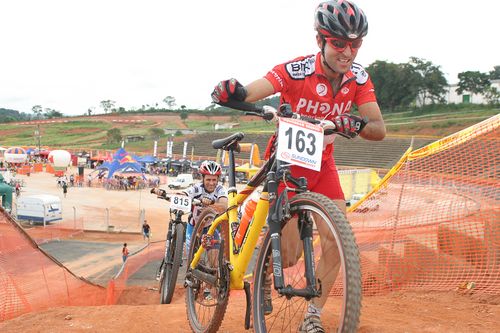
(55, 230)
(30, 280)
(135, 261)
(434, 223)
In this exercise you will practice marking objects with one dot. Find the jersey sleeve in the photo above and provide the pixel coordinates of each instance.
(190, 191)
(277, 77)
(365, 92)
(221, 192)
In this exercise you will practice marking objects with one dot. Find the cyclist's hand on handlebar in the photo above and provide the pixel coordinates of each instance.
(329, 129)
(207, 201)
(227, 90)
(159, 192)
(349, 125)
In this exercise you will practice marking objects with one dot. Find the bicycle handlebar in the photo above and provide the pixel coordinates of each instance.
(269, 113)
(162, 194)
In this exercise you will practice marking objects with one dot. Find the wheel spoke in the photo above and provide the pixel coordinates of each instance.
(336, 264)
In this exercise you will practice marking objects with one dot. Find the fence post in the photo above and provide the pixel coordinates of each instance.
(107, 219)
(142, 216)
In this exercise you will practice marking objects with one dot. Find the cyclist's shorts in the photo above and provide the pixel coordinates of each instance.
(325, 181)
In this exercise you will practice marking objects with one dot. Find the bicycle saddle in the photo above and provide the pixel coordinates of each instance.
(229, 143)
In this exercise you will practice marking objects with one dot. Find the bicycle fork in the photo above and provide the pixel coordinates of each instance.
(278, 210)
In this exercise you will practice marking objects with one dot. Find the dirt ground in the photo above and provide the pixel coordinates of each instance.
(139, 310)
(394, 313)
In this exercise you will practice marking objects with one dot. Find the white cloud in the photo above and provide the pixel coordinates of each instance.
(70, 55)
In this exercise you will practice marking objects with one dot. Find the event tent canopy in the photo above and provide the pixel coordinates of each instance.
(123, 162)
(146, 159)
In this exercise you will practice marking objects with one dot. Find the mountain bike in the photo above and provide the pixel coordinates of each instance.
(299, 268)
(174, 243)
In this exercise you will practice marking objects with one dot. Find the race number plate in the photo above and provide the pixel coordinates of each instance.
(180, 202)
(300, 143)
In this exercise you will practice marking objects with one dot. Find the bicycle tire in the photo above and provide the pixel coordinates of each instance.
(348, 318)
(192, 292)
(174, 259)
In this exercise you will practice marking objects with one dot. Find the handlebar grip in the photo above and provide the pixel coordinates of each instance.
(310, 120)
(160, 193)
(242, 106)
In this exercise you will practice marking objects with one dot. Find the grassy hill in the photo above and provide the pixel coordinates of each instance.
(91, 132)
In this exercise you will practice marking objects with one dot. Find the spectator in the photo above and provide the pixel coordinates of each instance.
(124, 252)
(65, 188)
(146, 230)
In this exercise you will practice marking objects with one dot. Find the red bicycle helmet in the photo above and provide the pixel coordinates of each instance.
(340, 18)
(210, 168)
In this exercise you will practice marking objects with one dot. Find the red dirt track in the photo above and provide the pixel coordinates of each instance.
(394, 313)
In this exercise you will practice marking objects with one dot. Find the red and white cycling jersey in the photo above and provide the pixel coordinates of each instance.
(304, 85)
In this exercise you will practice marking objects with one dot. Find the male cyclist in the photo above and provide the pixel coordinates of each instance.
(209, 192)
(325, 86)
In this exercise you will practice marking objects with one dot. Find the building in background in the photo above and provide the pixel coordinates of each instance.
(451, 95)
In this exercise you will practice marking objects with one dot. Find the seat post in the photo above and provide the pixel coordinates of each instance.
(232, 178)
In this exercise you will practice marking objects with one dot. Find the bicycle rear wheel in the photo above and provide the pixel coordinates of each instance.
(172, 264)
(336, 259)
(206, 303)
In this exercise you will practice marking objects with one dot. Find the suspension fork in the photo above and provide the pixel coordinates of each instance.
(305, 225)
(275, 230)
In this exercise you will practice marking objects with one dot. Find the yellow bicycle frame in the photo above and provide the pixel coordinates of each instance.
(239, 261)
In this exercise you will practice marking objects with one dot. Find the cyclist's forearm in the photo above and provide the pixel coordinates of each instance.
(258, 90)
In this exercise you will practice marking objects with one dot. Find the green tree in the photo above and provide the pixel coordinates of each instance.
(51, 113)
(473, 82)
(492, 95)
(432, 83)
(184, 115)
(114, 135)
(107, 105)
(170, 101)
(156, 132)
(396, 84)
(37, 111)
(211, 107)
(495, 73)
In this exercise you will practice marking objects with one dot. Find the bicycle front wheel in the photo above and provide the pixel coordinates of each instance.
(336, 259)
(172, 264)
(206, 302)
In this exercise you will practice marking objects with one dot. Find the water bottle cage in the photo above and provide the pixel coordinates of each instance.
(234, 230)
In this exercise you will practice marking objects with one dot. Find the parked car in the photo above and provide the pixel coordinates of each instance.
(182, 181)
